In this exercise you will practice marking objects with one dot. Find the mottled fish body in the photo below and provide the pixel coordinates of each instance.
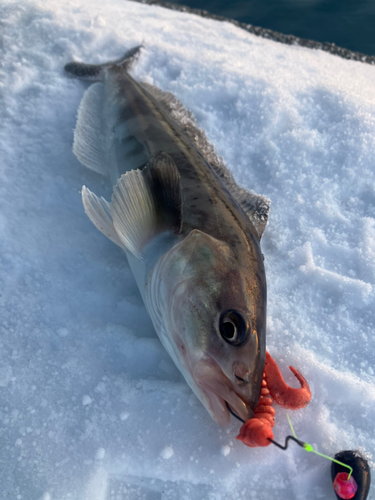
(190, 233)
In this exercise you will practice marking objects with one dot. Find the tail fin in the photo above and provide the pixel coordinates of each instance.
(94, 72)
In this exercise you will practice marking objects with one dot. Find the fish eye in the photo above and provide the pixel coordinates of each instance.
(233, 327)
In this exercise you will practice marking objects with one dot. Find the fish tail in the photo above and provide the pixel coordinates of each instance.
(94, 72)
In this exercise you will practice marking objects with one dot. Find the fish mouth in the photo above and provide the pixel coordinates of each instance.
(219, 392)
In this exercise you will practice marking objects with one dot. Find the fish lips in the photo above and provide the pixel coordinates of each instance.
(218, 391)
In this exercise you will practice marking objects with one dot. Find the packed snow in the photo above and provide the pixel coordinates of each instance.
(91, 406)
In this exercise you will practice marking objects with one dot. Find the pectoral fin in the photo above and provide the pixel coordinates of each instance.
(144, 204)
(98, 211)
(147, 202)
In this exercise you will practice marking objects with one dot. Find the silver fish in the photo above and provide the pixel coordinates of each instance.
(191, 235)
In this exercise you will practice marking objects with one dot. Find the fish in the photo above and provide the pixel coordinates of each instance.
(190, 233)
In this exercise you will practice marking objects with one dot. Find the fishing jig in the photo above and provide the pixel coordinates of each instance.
(258, 430)
(353, 485)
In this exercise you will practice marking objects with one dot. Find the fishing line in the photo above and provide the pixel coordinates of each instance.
(307, 447)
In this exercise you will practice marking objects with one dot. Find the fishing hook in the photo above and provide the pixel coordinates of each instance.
(234, 414)
(300, 443)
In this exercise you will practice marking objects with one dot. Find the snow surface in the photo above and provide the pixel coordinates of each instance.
(91, 406)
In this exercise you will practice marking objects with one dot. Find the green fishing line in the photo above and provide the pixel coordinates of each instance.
(291, 426)
(309, 448)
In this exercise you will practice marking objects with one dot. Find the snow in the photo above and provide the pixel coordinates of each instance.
(167, 452)
(91, 406)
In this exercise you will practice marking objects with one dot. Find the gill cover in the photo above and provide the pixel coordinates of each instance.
(198, 297)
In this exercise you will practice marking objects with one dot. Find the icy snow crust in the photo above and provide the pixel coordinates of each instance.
(91, 406)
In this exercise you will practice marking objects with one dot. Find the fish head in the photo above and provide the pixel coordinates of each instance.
(213, 315)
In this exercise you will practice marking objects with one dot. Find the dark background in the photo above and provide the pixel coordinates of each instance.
(347, 23)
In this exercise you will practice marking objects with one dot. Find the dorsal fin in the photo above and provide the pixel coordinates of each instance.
(254, 205)
(186, 121)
